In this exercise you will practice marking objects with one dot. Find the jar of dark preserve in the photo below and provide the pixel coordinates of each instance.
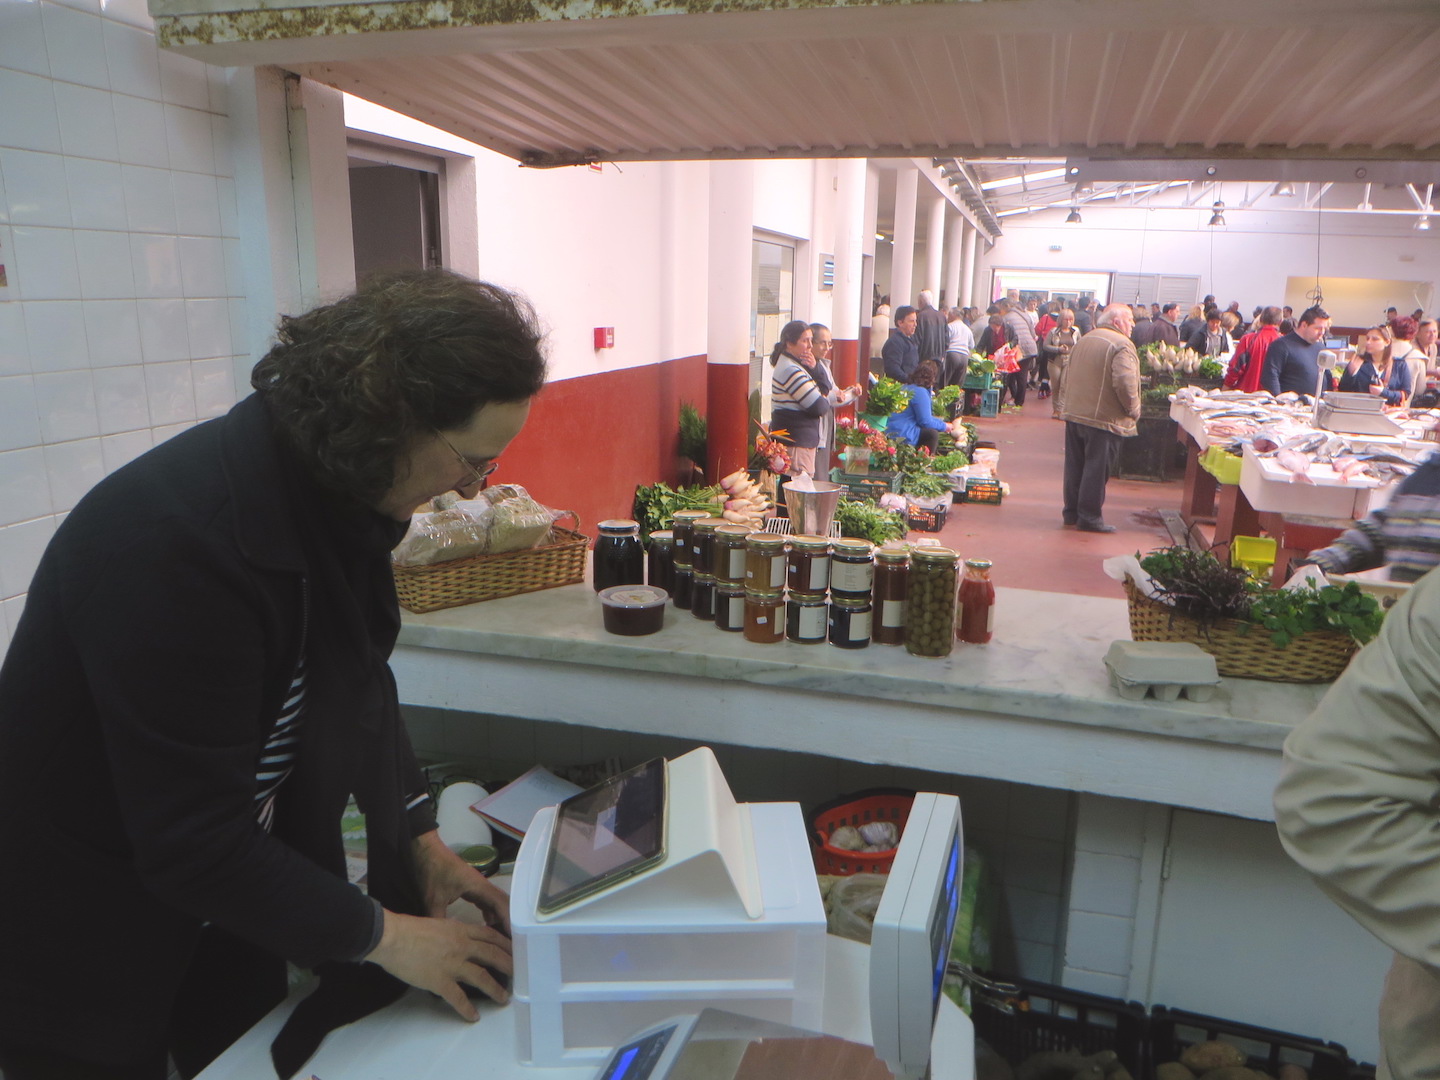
(730, 606)
(852, 568)
(764, 616)
(684, 592)
(702, 602)
(661, 569)
(619, 558)
(850, 621)
(809, 565)
(702, 544)
(805, 618)
(892, 569)
(680, 527)
(764, 561)
(730, 554)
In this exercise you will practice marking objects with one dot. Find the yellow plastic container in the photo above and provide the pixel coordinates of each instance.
(1224, 467)
(1253, 554)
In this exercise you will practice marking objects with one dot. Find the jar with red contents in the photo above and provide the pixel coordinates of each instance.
(975, 618)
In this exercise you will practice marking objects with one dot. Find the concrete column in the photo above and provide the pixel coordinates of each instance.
(967, 265)
(902, 256)
(981, 277)
(954, 260)
(727, 336)
(935, 248)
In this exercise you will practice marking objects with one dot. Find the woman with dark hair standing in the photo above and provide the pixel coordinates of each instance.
(204, 651)
(1374, 369)
(797, 399)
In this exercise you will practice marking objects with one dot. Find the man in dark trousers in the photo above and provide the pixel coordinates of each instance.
(1102, 403)
(1293, 361)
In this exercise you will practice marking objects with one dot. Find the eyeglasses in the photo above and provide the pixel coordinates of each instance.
(478, 473)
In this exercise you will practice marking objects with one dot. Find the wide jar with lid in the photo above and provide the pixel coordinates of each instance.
(852, 567)
(850, 621)
(805, 618)
(975, 622)
(680, 526)
(702, 544)
(702, 601)
(619, 558)
(730, 554)
(930, 602)
(892, 572)
(729, 606)
(764, 616)
(661, 569)
(764, 561)
(808, 569)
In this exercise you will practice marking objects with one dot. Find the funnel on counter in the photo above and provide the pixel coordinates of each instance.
(812, 505)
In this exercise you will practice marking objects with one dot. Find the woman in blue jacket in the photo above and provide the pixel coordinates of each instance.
(1375, 370)
(917, 424)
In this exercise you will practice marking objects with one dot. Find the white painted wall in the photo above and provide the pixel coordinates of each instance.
(118, 233)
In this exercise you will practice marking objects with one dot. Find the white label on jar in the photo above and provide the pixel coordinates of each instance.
(761, 620)
(737, 564)
(737, 611)
(777, 571)
(852, 577)
(892, 613)
(819, 572)
(860, 625)
(695, 548)
(812, 621)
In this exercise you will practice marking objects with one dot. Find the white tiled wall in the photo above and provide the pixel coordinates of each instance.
(118, 236)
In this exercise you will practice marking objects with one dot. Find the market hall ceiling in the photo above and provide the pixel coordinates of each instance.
(563, 82)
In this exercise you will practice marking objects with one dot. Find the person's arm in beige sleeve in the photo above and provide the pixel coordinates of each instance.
(1358, 804)
(1125, 377)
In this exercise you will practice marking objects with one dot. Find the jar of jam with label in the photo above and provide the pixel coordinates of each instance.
(684, 592)
(764, 616)
(930, 602)
(975, 622)
(702, 544)
(680, 528)
(809, 565)
(660, 571)
(702, 602)
(805, 618)
(730, 554)
(619, 558)
(764, 561)
(850, 621)
(852, 568)
(892, 570)
(730, 606)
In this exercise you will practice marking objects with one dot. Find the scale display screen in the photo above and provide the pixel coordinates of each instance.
(942, 922)
(637, 1060)
(604, 835)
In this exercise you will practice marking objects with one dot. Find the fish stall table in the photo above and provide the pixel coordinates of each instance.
(1034, 706)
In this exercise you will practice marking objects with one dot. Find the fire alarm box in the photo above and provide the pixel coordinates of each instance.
(604, 337)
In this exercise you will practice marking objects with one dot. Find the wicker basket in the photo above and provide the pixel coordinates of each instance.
(558, 561)
(1319, 656)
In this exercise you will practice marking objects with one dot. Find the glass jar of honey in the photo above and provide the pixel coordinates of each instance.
(808, 569)
(764, 561)
(852, 568)
(729, 554)
(764, 616)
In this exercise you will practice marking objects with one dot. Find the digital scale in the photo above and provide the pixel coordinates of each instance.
(1354, 414)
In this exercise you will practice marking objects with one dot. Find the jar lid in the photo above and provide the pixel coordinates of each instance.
(765, 595)
(935, 556)
(806, 598)
(978, 564)
(765, 540)
(729, 588)
(704, 579)
(689, 515)
(810, 543)
(735, 532)
(851, 546)
(618, 525)
(663, 536)
(893, 555)
(707, 524)
(850, 601)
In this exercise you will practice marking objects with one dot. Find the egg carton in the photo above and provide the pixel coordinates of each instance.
(1163, 668)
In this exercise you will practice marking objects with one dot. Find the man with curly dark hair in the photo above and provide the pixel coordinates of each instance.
(204, 653)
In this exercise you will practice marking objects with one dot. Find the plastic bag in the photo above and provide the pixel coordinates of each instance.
(852, 903)
(499, 519)
(1007, 359)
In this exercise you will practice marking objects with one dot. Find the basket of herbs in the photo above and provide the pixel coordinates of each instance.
(1304, 634)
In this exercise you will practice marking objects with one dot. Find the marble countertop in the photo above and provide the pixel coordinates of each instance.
(1045, 663)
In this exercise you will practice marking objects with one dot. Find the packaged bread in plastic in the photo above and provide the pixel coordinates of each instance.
(502, 518)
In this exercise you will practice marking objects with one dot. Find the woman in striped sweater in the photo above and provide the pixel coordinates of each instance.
(800, 394)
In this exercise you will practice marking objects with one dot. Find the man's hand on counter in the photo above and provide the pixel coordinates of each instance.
(440, 954)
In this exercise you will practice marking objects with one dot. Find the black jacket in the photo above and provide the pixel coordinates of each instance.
(158, 642)
(900, 356)
(1291, 363)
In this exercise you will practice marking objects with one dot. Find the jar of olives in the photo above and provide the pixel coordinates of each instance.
(930, 602)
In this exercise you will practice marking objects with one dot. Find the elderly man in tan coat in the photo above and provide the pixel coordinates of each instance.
(1102, 403)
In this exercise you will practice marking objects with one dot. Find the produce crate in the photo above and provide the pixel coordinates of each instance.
(1049, 1017)
(922, 519)
(858, 808)
(866, 485)
(979, 380)
(990, 403)
(985, 492)
(1172, 1030)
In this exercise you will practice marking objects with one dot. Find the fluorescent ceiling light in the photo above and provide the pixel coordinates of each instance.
(1031, 178)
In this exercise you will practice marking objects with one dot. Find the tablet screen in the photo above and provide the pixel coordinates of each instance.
(605, 834)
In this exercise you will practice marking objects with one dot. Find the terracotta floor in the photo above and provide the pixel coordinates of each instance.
(1023, 536)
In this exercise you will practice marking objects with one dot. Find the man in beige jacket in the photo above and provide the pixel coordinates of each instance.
(1358, 806)
(1102, 403)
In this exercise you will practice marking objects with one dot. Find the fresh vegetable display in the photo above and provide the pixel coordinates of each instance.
(865, 520)
(737, 499)
(1162, 359)
(886, 396)
(925, 485)
(745, 503)
(1288, 613)
(941, 401)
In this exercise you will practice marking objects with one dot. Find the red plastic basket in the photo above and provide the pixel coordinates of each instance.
(859, 809)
